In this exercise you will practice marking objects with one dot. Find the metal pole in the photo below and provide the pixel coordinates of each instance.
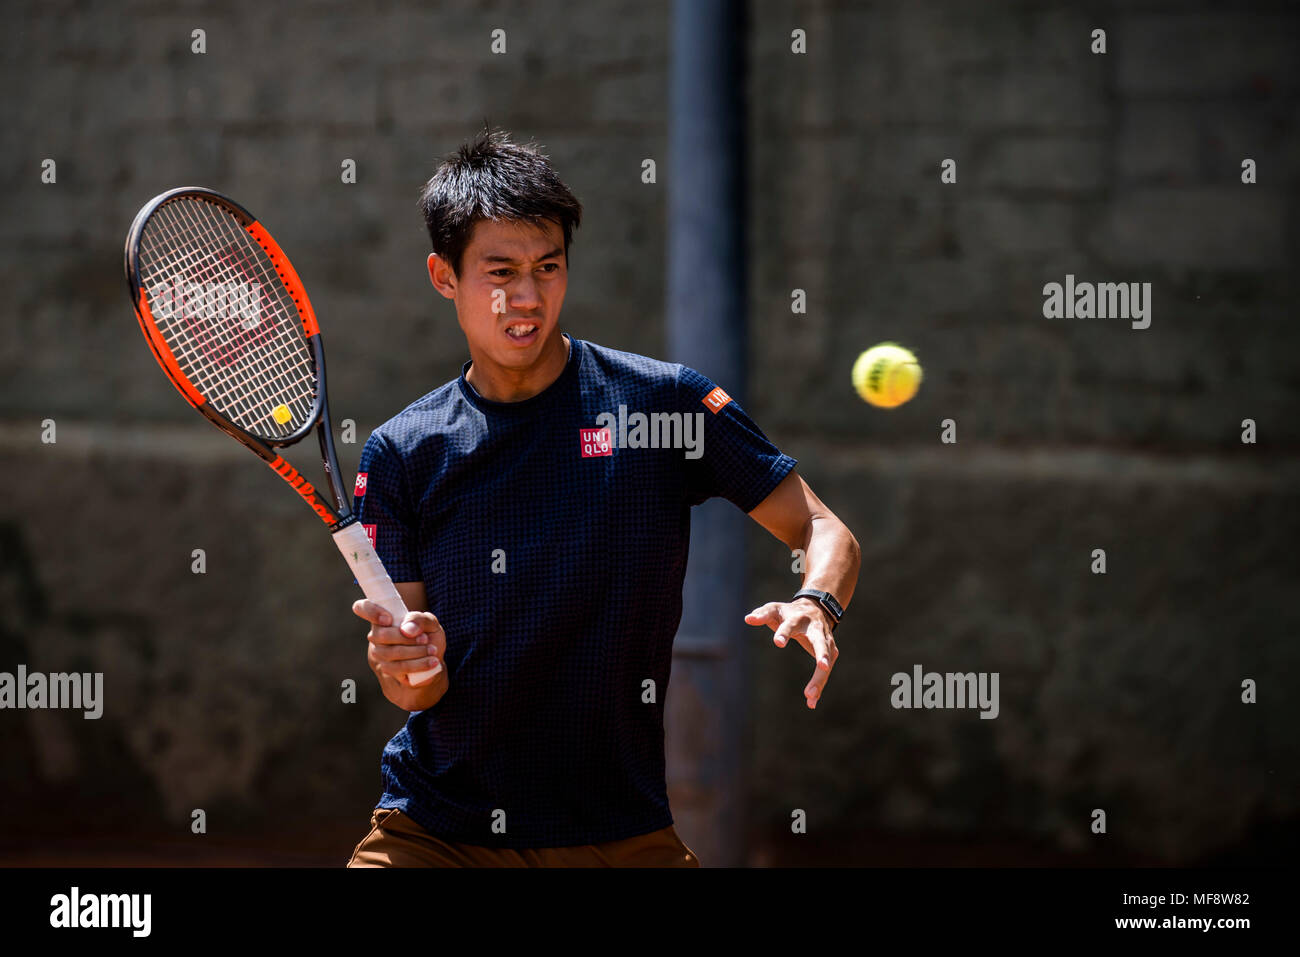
(706, 722)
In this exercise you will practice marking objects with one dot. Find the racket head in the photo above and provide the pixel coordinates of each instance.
(226, 316)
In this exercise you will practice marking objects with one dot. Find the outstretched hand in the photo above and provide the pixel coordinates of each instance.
(807, 623)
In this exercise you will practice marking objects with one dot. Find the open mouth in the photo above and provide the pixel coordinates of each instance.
(522, 331)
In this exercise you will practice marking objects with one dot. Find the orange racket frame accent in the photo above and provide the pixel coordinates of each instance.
(164, 355)
(288, 274)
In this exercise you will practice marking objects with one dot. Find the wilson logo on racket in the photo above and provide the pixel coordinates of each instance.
(303, 487)
(360, 490)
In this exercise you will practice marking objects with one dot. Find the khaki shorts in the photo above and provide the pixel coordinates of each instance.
(397, 841)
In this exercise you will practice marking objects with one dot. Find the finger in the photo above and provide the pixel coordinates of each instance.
(400, 669)
(822, 670)
(430, 663)
(387, 653)
(394, 636)
(813, 638)
(371, 612)
(769, 614)
(816, 633)
(421, 622)
(421, 627)
(788, 629)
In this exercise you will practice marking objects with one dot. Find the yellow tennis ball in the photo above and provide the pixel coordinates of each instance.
(886, 375)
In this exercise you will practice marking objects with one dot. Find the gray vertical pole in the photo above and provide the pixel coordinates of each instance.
(706, 722)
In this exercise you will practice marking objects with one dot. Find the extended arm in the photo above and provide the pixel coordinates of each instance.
(832, 558)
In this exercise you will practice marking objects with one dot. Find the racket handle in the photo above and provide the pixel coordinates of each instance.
(373, 578)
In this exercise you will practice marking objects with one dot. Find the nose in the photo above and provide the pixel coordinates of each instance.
(525, 293)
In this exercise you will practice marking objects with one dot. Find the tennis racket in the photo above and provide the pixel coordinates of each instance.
(227, 318)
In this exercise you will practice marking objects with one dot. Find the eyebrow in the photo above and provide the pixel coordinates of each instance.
(555, 253)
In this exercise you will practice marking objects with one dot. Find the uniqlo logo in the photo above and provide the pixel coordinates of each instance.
(715, 400)
(370, 533)
(595, 442)
(361, 484)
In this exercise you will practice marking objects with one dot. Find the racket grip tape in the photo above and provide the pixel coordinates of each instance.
(371, 575)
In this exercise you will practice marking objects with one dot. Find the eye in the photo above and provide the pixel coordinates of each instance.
(551, 267)
(500, 272)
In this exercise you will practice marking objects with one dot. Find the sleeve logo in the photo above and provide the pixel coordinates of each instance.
(361, 484)
(715, 400)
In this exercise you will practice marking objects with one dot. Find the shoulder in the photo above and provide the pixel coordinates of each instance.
(666, 381)
(428, 415)
(603, 361)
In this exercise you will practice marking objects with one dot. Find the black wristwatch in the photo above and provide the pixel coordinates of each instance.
(826, 600)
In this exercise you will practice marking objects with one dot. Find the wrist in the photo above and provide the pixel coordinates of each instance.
(815, 608)
(825, 601)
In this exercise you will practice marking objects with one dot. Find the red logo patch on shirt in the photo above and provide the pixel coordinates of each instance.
(595, 442)
(715, 400)
(370, 533)
(361, 483)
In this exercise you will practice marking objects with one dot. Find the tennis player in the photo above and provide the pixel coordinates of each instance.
(540, 541)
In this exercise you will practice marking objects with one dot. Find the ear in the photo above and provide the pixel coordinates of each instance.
(442, 276)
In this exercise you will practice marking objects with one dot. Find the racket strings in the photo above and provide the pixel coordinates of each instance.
(268, 372)
(255, 368)
(231, 352)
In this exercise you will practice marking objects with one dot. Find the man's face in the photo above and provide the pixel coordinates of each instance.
(508, 292)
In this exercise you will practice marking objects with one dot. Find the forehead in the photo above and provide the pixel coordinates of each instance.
(513, 238)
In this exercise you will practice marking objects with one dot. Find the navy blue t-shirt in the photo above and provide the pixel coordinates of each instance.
(552, 551)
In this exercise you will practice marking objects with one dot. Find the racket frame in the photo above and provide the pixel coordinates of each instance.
(336, 514)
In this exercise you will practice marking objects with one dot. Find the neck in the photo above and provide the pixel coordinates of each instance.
(499, 384)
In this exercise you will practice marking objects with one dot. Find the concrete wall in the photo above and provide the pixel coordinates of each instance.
(1118, 691)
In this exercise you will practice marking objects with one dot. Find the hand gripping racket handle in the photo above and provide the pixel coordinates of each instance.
(354, 543)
